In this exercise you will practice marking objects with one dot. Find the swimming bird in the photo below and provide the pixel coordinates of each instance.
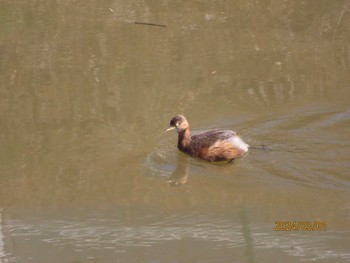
(213, 145)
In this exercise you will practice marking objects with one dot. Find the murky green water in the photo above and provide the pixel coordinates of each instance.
(85, 97)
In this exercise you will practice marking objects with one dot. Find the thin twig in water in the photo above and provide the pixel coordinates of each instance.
(149, 24)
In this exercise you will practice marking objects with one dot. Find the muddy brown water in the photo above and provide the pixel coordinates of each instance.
(86, 95)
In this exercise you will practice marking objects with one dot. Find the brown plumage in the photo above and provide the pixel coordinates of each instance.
(213, 145)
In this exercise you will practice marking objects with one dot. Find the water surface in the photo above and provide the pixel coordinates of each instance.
(85, 97)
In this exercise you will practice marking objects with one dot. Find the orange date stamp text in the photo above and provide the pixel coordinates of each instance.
(300, 225)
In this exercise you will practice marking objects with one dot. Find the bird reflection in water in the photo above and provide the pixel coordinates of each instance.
(180, 174)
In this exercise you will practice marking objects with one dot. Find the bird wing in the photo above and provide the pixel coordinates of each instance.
(209, 138)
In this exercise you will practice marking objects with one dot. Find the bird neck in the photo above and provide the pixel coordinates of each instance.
(184, 139)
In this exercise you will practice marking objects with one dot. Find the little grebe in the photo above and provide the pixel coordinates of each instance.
(213, 145)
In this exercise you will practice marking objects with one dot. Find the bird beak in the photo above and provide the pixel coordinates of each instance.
(170, 128)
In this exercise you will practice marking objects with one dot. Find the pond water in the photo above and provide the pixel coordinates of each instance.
(88, 174)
